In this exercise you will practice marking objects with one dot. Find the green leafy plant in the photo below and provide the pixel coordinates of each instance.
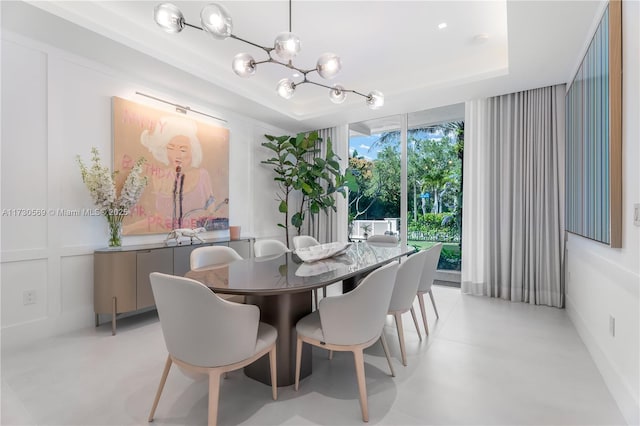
(298, 169)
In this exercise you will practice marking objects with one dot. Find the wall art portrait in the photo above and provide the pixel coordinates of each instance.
(187, 166)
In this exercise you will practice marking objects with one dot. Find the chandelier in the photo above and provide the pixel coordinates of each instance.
(216, 21)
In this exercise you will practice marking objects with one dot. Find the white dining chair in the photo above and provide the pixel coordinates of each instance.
(206, 334)
(351, 322)
(202, 257)
(404, 293)
(426, 281)
(304, 241)
(212, 255)
(269, 247)
(384, 239)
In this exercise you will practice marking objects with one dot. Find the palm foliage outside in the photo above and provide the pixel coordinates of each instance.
(434, 184)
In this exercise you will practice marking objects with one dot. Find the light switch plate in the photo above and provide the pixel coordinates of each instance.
(636, 214)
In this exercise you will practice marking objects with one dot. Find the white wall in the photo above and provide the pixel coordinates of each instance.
(604, 282)
(56, 105)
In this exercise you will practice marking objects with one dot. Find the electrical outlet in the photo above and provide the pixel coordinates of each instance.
(612, 325)
(636, 214)
(29, 297)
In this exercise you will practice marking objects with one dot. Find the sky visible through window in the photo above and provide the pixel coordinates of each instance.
(365, 145)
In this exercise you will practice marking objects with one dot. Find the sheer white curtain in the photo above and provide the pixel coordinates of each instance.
(513, 220)
(333, 225)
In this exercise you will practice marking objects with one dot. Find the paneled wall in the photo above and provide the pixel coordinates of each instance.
(56, 105)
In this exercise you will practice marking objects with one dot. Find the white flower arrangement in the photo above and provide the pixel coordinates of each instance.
(101, 184)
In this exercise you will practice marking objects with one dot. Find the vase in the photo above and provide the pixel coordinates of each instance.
(115, 230)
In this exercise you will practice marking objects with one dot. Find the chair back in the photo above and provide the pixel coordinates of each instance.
(212, 255)
(269, 247)
(385, 239)
(199, 327)
(430, 267)
(358, 316)
(407, 281)
(303, 241)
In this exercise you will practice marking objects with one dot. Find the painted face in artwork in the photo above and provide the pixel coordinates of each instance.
(179, 152)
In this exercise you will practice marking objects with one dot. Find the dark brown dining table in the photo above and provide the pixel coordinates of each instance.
(281, 286)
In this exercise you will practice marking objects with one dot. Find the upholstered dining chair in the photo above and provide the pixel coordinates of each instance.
(351, 322)
(426, 281)
(202, 257)
(385, 239)
(404, 293)
(304, 241)
(269, 247)
(206, 334)
(212, 255)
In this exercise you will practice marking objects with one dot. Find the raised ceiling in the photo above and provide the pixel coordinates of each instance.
(393, 46)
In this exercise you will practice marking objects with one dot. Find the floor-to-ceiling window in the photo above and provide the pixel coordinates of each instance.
(433, 142)
(374, 160)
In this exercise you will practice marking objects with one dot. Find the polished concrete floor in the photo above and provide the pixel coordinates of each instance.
(486, 362)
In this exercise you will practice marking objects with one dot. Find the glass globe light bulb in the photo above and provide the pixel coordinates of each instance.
(286, 88)
(337, 94)
(328, 65)
(286, 45)
(243, 65)
(216, 21)
(168, 17)
(375, 99)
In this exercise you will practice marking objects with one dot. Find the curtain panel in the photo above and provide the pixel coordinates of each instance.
(513, 197)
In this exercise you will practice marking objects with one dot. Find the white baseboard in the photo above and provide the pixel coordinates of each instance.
(628, 404)
(445, 275)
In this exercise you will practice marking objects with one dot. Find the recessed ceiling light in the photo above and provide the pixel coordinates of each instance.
(295, 74)
(442, 25)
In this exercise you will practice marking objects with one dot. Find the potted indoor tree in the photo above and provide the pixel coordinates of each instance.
(299, 169)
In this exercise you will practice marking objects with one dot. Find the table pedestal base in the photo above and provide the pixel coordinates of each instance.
(283, 312)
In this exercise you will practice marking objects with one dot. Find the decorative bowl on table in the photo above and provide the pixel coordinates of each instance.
(322, 251)
(319, 267)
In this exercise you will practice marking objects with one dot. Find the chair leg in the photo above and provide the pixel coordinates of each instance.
(415, 322)
(315, 297)
(398, 317)
(274, 372)
(214, 394)
(433, 302)
(424, 312)
(330, 355)
(358, 357)
(298, 361)
(383, 340)
(165, 373)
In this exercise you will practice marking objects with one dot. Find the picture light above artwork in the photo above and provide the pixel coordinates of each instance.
(180, 108)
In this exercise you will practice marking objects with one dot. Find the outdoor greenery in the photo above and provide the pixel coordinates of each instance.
(434, 184)
(449, 256)
(299, 168)
(434, 162)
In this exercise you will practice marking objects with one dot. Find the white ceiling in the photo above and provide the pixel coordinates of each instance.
(393, 46)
